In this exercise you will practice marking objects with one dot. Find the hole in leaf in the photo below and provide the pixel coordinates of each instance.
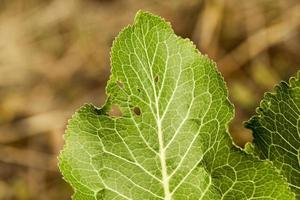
(139, 90)
(120, 84)
(115, 111)
(156, 79)
(137, 110)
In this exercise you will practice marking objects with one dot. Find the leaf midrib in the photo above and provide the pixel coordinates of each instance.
(162, 155)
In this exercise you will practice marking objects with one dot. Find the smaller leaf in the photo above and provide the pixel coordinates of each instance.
(276, 130)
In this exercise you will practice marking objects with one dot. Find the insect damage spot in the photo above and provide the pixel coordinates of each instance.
(115, 111)
(137, 111)
(156, 79)
(120, 84)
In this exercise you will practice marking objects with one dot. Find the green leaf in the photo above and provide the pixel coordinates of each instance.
(276, 130)
(171, 141)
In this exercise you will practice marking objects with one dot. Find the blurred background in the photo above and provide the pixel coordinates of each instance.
(54, 57)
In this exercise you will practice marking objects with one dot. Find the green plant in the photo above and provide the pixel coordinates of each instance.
(276, 130)
(172, 141)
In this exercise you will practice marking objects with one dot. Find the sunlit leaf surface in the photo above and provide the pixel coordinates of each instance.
(171, 141)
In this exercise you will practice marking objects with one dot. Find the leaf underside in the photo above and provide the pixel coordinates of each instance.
(276, 130)
(171, 141)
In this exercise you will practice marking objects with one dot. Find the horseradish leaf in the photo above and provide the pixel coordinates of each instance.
(276, 130)
(171, 141)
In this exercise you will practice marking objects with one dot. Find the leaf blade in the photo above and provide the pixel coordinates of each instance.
(177, 145)
(276, 130)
